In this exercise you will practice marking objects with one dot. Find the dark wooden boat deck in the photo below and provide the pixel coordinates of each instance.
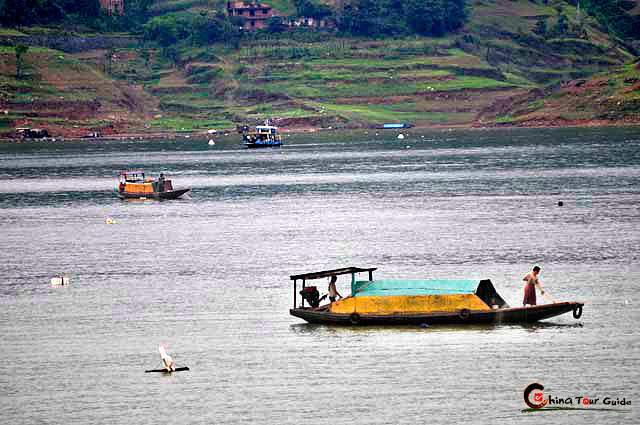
(170, 194)
(503, 315)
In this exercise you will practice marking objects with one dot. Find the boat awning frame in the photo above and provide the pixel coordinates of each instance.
(132, 176)
(333, 272)
(328, 273)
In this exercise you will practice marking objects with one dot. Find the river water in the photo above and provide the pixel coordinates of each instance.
(208, 276)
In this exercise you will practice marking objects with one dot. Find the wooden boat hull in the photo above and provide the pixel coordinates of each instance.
(170, 194)
(263, 145)
(532, 314)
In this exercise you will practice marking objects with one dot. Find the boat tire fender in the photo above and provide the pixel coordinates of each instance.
(577, 312)
(354, 318)
(464, 313)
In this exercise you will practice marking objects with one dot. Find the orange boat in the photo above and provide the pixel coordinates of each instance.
(134, 185)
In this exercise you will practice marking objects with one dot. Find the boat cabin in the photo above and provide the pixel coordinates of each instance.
(266, 129)
(136, 182)
(262, 136)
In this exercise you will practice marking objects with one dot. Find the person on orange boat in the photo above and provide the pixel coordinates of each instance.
(530, 287)
(161, 183)
(333, 292)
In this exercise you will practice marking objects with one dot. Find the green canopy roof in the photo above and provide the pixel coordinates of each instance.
(414, 287)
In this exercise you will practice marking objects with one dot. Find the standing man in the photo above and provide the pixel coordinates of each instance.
(333, 292)
(161, 183)
(530, 287)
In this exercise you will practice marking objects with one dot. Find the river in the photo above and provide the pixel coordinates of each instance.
(208, 276)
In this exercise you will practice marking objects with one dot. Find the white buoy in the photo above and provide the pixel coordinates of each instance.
(59, 281)
(400, 136)
(211, 142)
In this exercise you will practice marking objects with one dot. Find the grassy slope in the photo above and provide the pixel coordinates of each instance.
(336, 82)
(66, 94)
(601, 99)
(581, 80)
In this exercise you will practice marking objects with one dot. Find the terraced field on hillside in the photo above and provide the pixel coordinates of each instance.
(319, 80)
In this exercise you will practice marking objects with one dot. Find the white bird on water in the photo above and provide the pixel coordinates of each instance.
(167, 360)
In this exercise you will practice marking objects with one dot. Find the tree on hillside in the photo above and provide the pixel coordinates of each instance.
(108, 56)
(455, 14)
(310, 9)
(20, 49)
(426, 17)
(172, 54)
(192, 28)
(541, 26)
(562, 25)
(30, 12)
(275, 25)
(14, 13)
(145, 55)
(360, 17)
(613, 15)
(387, 17)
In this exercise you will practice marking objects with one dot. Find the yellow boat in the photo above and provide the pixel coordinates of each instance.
(134, 185)
(402, 302)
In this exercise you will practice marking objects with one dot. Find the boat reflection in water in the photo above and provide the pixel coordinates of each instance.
(134, 185)
(416, 302)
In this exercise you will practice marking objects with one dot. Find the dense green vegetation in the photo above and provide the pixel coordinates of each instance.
(372, 18)
(388, 17)
(14, 13)
(29, 12)
(198, 29)
(613, 15)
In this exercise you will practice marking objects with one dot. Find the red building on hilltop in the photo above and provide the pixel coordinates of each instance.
(256, 15)
(114, 7)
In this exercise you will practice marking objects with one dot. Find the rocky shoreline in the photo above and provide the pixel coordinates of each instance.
(231, 133)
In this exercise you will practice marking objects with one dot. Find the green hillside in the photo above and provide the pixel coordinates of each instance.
(482, 74)
(613, 98)
(65, 95)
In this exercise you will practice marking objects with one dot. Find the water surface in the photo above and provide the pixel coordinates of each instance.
(208, 276)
